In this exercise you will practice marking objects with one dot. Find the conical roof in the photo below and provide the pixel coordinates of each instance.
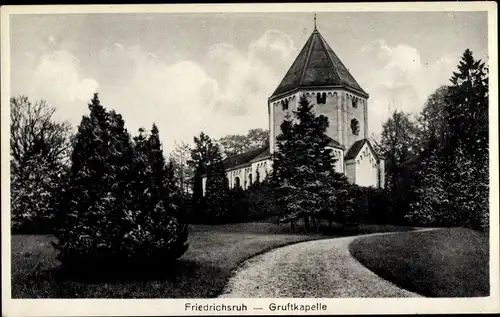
(317, 66)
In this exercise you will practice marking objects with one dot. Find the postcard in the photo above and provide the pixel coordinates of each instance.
(250, 159)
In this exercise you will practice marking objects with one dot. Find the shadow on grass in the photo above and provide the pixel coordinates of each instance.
(172, 272)
(181, 279)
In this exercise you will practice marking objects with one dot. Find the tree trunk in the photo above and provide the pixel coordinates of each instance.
(315, 225)
(306, 223)
(330, 224)
(292, 225)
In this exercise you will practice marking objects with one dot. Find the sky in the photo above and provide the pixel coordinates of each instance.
(214, 72)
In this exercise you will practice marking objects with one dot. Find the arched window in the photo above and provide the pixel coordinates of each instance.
(237, 182)
(250, 179)
(355, 126)
(257, 176)
(354, 102)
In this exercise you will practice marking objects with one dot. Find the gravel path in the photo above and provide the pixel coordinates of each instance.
(321, 268)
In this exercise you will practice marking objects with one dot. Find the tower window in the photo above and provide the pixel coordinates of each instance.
(355, 126)
(320, 98)
(284, 104)
(354, 103)
(237, 182)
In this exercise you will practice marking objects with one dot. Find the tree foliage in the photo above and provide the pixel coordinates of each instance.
(399, 143)
(39, 147)
(432, 127)
(237, 144)
(453, 176)
(203, 154)
(217, 197)
(303, 168)
(184, 173)
(117, 207)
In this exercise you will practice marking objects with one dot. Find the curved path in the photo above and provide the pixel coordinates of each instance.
(320, 268)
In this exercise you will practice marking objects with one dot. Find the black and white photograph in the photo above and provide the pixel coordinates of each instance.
(225, 156)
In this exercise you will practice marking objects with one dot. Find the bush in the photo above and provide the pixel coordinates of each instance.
(372, 205)
(148, 245)
(119, 206)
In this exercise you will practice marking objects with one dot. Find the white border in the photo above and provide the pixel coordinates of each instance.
(104, 307)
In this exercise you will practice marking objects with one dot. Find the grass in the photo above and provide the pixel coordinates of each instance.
(450, 262)
(202, 272)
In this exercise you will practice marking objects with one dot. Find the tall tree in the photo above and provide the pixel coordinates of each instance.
(184, 173)
(161, 175)
(203, 155)
(98, 186)
(467, 107)
(114, 209)
(454, 173)
(39, 150)
(467, 151)
(303, 165)
(217, 190)
(432, 126)
(400, 145)
(237, 144)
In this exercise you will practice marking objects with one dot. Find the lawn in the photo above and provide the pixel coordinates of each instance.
(202, 272)
(438, 263)
(213, 254)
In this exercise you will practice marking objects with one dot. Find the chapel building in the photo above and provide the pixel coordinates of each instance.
(320, 75)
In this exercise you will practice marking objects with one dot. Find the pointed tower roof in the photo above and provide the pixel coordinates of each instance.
(317, 66)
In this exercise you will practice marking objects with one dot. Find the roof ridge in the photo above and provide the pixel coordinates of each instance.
(323, 44)
(308, 57)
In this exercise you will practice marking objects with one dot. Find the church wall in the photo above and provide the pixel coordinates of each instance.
(261, 169)
(349, 112)
(338, 108)
(350, 171)
(329, 109)
(367, 169)
(242, 174)
(247, 174)
(278, 115)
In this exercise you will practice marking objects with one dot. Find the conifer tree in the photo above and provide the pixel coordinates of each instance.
(453, 178)
(217, 195)
(202, 156)
(303, 167)
(467, 107)
(113, 210)
(466, 154)
(95, 195)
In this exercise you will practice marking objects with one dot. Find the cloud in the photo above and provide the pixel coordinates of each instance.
(52, 40)
(247, 77)
(178, 97)
(57, 79)
(399, 79)
(227, 95)
(225, 92)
